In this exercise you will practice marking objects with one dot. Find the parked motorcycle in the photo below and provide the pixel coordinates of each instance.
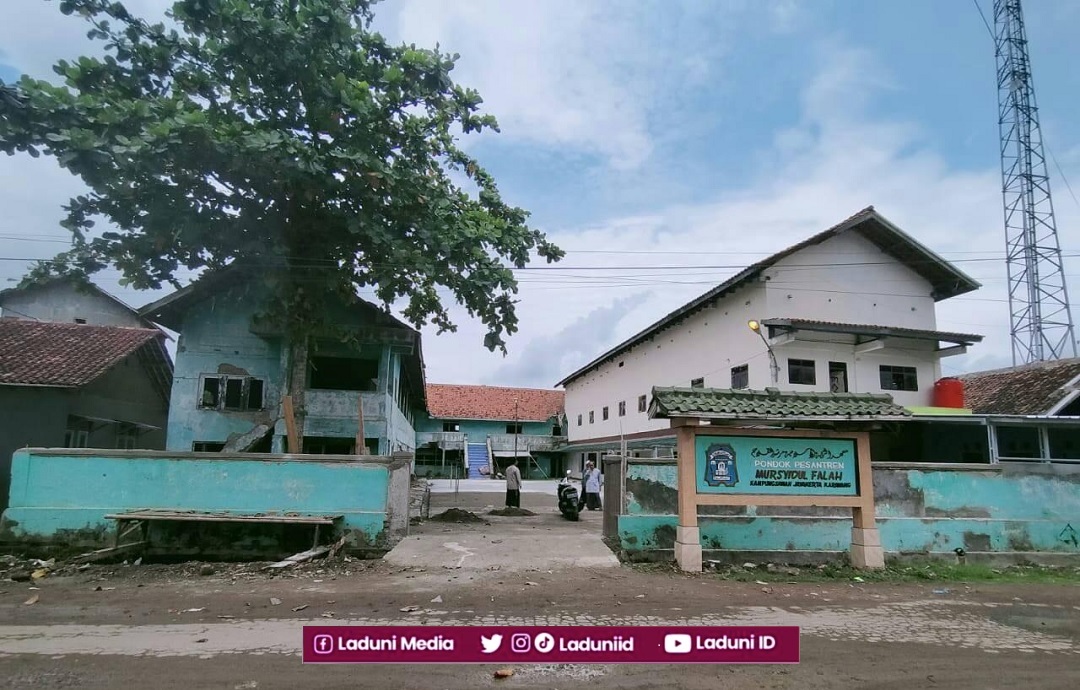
(568, 498)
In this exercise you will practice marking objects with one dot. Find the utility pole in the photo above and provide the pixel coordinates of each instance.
(1041, 322)
(516, 431)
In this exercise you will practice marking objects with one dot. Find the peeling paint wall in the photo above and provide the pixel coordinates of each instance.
(64, 495)
(921, 509)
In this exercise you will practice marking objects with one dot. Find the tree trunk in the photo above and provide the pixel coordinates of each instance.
(297, 385)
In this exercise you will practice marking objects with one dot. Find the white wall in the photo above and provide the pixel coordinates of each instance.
(61, 302)
(876, 289)
(716, 339)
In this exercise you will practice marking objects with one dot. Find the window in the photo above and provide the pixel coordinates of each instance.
(321, 445)
(740, 376)
(451, 427)
(802, 371)
(207, 447)
(898, 378)
(591, 417)
(514, 429)
(838, 377)
(622, 408)
(127, 436)
(77, 434)
(82, 321)
(642, 403)
(343, 374)
(605, 413)
(233, 393)
(556, 430)
(579, 420)
(698, 383)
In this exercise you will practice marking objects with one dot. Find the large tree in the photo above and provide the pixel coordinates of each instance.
(284, 133)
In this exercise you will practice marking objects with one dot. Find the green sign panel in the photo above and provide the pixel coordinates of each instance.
(776, 465)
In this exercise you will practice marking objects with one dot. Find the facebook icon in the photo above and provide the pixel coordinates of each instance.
(324, 644)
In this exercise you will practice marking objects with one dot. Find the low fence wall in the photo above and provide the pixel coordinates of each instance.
(59, 497)
(1019, 510)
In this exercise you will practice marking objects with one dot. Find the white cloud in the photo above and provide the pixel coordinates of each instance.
(835, 161)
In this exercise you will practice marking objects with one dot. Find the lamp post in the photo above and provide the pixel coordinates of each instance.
(774, 368)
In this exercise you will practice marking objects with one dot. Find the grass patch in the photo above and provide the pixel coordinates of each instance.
(907, 572)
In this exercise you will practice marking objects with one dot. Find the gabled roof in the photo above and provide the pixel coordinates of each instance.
(452, 401)
(1031, 389)
(872, 332)
(946, 279)
(66, 355)
(78, 284)
(772, 404)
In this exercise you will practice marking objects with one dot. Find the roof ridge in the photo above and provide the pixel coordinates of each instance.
(1030, 366)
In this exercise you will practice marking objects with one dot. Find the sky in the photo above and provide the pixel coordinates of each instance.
(653, 137)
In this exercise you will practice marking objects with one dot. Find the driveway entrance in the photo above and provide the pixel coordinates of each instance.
(476, 540)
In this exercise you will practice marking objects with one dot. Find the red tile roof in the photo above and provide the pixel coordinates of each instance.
(1032, 389)
(64, 355)
(451, 401)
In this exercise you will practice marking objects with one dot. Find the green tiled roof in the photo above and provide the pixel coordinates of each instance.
(772, 404)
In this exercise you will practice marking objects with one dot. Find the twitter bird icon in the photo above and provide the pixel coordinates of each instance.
(491, 644)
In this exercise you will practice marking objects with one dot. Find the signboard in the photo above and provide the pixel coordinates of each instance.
(776, 465)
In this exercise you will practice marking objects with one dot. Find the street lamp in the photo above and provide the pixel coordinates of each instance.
(755, 326)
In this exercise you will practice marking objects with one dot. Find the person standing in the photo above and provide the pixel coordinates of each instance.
(591, 483)
(513, 485)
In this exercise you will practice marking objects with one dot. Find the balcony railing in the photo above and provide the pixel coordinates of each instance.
(526, 442)
(450, 440)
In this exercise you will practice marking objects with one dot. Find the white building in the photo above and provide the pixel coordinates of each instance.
(851, 309)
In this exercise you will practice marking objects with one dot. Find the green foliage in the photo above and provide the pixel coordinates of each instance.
(285, 134)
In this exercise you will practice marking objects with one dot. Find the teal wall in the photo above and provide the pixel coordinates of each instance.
(479, 429)
(1004, 508)
(58, 494)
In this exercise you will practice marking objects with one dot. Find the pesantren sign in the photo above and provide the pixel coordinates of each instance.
(777, 465)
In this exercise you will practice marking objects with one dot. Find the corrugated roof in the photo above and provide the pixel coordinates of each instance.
(453, 401)
(772, 404)
(873, 331)
(64, 355)
(947, 280)
(1032, 389)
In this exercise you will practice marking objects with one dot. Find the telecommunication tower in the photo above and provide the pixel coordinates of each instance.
(1041, 322)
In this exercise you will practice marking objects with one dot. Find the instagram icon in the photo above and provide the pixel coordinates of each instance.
(520, 643)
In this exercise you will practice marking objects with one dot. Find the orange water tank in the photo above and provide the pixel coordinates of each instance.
(949, 392)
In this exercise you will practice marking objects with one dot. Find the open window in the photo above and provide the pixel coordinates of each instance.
(514, 429)
(451, 427)
(232, 393)
(343, 374)
(740, 376)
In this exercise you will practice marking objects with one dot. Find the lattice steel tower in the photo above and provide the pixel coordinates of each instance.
(1041, 321)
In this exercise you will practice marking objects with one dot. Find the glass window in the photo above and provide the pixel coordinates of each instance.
(899, 378)
(642, 403)
(698, 383)
(740, 376)
(802, 372)
(622, 408)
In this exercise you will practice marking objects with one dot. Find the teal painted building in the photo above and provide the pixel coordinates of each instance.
(473, 431)
(232, 367)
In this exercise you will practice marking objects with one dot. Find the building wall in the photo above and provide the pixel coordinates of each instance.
(125, 393)
(216, 338)
(32, 417)
(707, 344)
(479, 429)
(921, 509)
(62, 302)
(63, 496)
(710, 343)
(873, 288)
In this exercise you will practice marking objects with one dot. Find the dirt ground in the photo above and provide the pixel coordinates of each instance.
(169, 626)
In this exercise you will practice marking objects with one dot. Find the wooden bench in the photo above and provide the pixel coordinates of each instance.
(128, 522)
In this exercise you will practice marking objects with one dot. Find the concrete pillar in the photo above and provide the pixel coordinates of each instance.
(688, 549)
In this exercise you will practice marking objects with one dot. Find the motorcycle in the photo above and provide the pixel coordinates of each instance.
(568, 498)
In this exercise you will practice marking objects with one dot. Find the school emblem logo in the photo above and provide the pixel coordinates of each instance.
(720, 467)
